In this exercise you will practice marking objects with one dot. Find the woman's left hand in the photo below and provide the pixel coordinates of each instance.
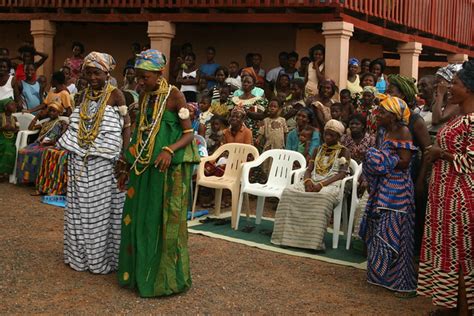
(163, 161)
(317, 187)
(434, 153)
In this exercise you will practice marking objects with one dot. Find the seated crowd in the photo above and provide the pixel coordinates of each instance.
(386, 122)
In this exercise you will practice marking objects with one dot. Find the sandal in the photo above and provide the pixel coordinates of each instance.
(208, 220)
(222, 221)
(405, 295)
(248, 229)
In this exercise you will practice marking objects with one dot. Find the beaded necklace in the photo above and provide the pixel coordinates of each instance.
(146, 145)
(322, 165)
(7, 134)
(89, 124)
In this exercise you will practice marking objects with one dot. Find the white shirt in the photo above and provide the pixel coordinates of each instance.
(272, 74)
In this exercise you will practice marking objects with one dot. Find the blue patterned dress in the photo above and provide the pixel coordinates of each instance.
(388, 223)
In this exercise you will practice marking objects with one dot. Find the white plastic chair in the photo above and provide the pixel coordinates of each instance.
(354, 204)
(24, 120)
(279, 177)
(237, 155)
(342, 205)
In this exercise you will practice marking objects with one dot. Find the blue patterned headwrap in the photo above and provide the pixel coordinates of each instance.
(354, 62)
(150, 60)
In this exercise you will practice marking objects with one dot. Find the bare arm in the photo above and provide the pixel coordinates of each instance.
(441, 115)
(118, 99)
(43, 58)
(175, 103)
(33, 125)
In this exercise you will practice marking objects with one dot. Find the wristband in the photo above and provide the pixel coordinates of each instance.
(166, 148)
(189, 130)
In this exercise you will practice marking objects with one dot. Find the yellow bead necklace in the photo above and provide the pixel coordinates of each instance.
(89, 124)
(145, 146)
(322, 166)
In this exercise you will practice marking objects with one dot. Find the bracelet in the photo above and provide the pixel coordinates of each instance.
(321, 183)
(311, 161)
(189, 130)
(306, 180)
(166, 148)
(127, 125)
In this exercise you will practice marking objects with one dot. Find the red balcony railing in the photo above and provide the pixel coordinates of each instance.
(447, 19)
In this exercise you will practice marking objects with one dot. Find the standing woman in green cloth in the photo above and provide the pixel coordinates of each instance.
(158, 165)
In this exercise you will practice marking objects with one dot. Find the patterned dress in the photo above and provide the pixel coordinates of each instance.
(389, 219)
(358, 150)
(448, 241)
(30, 158)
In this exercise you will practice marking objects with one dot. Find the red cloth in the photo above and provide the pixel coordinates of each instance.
(20, 73)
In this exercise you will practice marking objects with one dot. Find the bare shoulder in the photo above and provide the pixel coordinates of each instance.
(176, 100)
(116, 97)
(403, 133)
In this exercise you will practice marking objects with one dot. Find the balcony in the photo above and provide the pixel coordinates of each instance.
(445, 21)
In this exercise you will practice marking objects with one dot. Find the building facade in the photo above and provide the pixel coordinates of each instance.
(410, 33)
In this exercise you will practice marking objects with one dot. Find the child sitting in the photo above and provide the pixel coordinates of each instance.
(215, 137)
(273, 132)
(305, 138)
(294, 104)
(219, 107)
(8, 131)
(347, 106)
(193, 108)
(336, 111)
(205, 115)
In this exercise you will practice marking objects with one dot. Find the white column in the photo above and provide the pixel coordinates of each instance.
(457, 58)
(337, 36)
(43, 32)
(409, 59)
(161, 33)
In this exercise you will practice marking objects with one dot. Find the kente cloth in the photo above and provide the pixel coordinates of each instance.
(52, 177)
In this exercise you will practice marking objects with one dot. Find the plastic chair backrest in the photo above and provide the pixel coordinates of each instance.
(238, 154)
(282, 165)
(24, 119)
(353, 165)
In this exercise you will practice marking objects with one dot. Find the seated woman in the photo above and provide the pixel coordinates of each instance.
(30, 157)
(358, 141)
(304, 117)
(387, 227)
(254, 106)
(328, 166)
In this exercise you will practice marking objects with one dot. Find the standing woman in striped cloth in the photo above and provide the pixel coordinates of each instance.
(154, 254)
(98, 129)
(447, 254)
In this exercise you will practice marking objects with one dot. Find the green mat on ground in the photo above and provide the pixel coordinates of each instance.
(257, 238)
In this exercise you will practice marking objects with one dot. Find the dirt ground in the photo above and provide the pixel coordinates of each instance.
(227, 277)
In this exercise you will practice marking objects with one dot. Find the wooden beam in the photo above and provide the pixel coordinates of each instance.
(278, 18)
(402, 37)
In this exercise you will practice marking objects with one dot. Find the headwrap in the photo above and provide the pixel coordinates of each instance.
(370, 89)
(466, 75)
(195, 107)
(396, 106)
(354, 62)
(102, 61)
(150, 60)
(406, 86)
(448, 72)
(250, 72)
(238, 109)
(56, 105)
(336, 126)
